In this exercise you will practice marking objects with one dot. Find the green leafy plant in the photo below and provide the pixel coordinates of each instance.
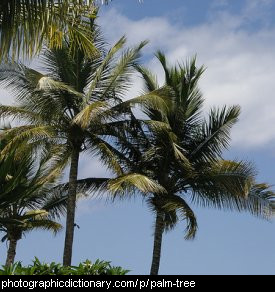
(84, 268)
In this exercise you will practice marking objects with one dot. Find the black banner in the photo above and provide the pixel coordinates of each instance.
(137, 283)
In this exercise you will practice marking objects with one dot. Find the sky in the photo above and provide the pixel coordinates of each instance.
(235, 41)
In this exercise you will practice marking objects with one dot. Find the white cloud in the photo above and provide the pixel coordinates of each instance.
(91, 167)
(5, 97)
(89, 205)
(240, 63)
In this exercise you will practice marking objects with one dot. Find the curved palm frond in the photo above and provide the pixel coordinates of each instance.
(154, 100)
(108, 155)
(230, 185)
(91, 112)
(25, 197)
(20, 114)
(119, 78)
(129, 183)
(178, 204)
(96, 77)
(214, 135)
(25, 25)
(151, 82)
(21, 134)
(44, 224)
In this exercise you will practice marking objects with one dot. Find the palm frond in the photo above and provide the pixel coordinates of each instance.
(119, 79)
(130, 183)
(106, 153)
(91, 112)
(46, 83)
(225, 178)
(96, 77)
(161, 57)
(25, 133)
(159, 99)
(231, 185)
(55, 203)
(183, 160)
(17, 113)
(91, 186)
(25, 25)
(214, 135)
(176, 203)
(150, 79)
(45, 224)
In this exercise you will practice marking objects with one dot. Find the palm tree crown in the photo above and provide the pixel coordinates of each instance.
(182, 151)
(28, 196)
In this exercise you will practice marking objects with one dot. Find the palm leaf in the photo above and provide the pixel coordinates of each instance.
(18, 113)
(90, 112)
(26, 24)
(44, 224)
(176, 203)
(25, 133)
(96, 77)
(214, 136)
(129, 183)
(119, 79)
(150, 79)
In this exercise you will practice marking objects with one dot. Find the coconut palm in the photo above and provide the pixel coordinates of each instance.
(181, 151)
(68, 109)
(28, 197)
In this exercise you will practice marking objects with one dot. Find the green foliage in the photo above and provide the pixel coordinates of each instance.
(85, 268)
(27, 24)
(28, 199)
(69, 109)
(182, 151)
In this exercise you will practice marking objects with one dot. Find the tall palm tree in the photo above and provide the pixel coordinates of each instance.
(181, 151)
(28, 199)
(68, 109)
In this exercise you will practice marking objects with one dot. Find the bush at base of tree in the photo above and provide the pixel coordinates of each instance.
(85, 268)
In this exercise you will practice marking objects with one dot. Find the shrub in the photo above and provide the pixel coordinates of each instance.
(85, 268)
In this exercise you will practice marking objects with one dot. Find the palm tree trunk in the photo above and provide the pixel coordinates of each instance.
(11, 251)
(68, 246)
(159, 227)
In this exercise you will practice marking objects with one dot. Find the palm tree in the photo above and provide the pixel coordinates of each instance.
(181, 151)
(28, 197)
(25, 25)
(68, 109)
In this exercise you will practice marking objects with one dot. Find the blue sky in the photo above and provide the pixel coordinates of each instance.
(235, 40)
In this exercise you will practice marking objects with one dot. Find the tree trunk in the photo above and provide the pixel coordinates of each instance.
(159, 227)
(11, 252)
(68, 246)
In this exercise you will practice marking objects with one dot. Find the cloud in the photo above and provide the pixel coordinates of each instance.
(240, 62)
(91, 167)
(5, 98)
